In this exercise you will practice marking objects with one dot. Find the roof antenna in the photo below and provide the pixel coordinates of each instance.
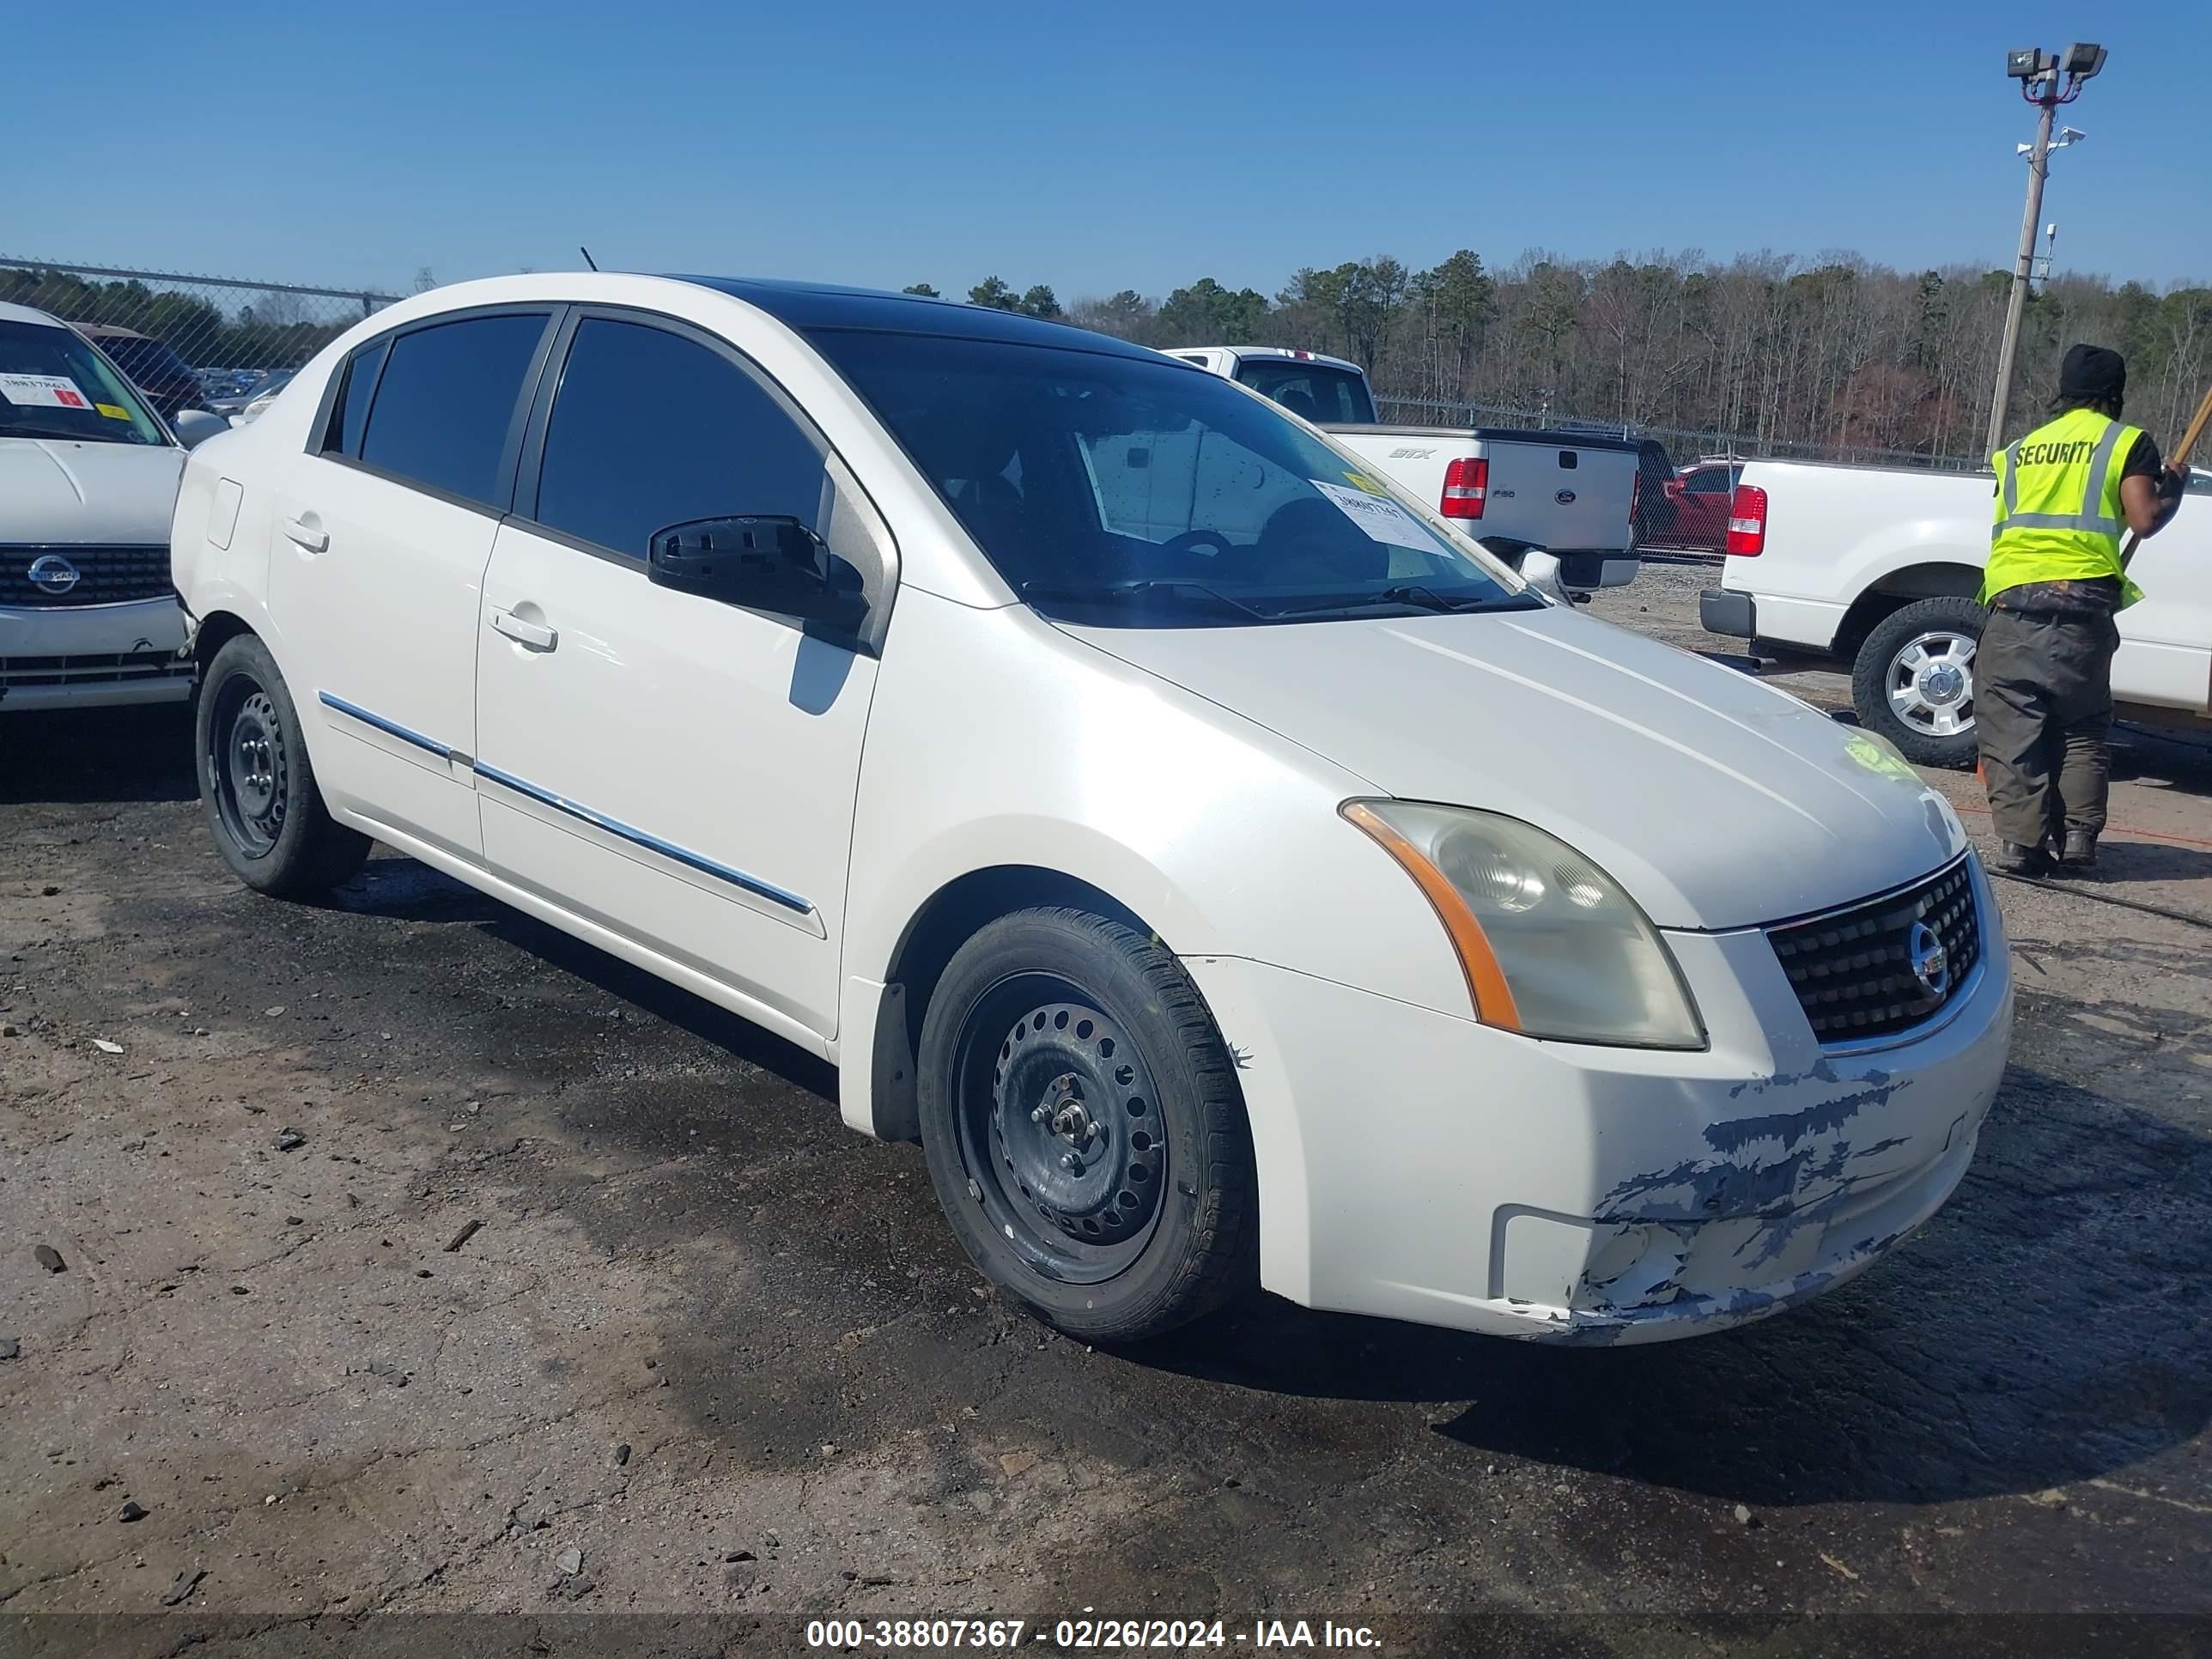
(588, 260)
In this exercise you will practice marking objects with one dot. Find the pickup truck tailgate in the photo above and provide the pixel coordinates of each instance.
(1568, 497)
(1564, 491)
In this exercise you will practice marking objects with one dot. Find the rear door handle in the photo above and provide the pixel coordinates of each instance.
(306, 534)
(529, 633)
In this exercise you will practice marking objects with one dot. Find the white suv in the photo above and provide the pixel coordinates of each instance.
(1305, 902)
(87, 482)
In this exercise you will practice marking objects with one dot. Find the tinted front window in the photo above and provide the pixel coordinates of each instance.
(650, 429)
(52, 385)
(1314, 392)
(1121, 490)
(1708, 481)
(445, 402)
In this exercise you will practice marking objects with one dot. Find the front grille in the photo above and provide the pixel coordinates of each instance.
(105, 575)
(111, 668)
(1853, 971)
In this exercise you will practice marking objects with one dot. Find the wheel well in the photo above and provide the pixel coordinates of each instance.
(1898, 589)
(217, 630)
(951, 917)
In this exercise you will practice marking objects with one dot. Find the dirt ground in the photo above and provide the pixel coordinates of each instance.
(417, 1259)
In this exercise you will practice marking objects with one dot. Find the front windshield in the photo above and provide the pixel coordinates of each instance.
(52, 385)
(1115, 490)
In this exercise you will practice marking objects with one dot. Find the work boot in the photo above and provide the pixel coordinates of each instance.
(2080, 851)
(2014, 859)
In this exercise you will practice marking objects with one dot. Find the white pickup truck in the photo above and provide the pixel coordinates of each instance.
(1570, 495)
(1878, 567)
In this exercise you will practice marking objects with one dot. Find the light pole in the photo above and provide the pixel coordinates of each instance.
(2046, 82)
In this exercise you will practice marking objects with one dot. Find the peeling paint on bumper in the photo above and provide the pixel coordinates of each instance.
(1423, 1167)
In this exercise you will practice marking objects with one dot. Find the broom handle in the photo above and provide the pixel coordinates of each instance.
(2178, 458)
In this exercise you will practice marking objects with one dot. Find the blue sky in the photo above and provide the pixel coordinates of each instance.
(1092, 147)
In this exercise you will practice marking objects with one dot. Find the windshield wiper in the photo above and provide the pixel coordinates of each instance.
(1412, 594)
(1109, 591)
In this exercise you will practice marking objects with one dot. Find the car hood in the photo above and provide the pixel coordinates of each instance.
(52, 489)
(1717, 801)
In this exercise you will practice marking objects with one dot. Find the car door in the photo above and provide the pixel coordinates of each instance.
(666, 765)
(380, 533)
(2166, 637)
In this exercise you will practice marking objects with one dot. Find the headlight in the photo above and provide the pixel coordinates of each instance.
(1550, 945)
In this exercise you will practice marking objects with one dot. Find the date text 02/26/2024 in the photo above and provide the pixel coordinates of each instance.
(1083, 1635)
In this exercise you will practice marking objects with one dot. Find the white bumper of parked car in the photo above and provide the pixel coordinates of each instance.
(84, 656)
(1421, 1166)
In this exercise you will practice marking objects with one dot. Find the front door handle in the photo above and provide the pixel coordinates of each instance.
(536, 634)
(306, 532)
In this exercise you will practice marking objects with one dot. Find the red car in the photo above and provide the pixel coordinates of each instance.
(1699, 497)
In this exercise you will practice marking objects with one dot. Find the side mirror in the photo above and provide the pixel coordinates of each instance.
(194, 427)
(1585, 571)
(763, 563)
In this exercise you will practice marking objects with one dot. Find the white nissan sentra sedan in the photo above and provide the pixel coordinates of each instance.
(1246, 881)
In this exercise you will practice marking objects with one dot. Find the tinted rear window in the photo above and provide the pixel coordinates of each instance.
(446, 401)
(146, 360)
(1314, 392)
(350, 414)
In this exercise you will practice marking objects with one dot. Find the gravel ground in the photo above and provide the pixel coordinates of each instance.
(415, 1259)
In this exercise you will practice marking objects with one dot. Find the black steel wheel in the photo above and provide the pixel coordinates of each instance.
(257, 784)
(247, 765)
(1057, 1123)
(1083, 1127)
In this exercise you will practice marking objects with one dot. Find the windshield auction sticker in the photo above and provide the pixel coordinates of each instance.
(43, 391)
(1380, 516)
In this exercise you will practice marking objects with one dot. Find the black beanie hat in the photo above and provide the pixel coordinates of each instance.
(2092, 372)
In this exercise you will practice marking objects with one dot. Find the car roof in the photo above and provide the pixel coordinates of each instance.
(805, 306)
(12, 312)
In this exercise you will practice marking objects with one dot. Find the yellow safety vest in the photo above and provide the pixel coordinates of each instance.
(2058, 514)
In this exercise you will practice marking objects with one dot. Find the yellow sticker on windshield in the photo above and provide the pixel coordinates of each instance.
(1360, 480)
(114, 411)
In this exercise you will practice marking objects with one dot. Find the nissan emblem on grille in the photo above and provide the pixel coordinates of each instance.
(1925, 952)
(52, 574)
(1885, 964)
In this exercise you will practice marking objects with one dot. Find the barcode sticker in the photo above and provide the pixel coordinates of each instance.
(1380, 516)
(43, 391)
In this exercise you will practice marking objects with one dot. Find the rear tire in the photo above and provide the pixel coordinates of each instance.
(257, 784)
(1913, 680)
(1084, 1127)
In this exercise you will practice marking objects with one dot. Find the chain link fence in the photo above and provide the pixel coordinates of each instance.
(1684, 445)
(189, 340)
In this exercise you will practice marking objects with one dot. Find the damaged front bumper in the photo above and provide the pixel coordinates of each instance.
(1420, 1166)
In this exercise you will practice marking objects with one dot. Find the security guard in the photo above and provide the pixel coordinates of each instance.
(2042, 674)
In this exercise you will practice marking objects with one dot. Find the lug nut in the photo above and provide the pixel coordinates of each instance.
(1069, 1161)
(1038, 1115)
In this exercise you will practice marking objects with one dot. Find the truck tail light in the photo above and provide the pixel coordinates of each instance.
(1747, 524)
(1467, 487)
(1635, 495)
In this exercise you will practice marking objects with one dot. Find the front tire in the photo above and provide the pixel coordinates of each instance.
(257, 785)
(1913, 680)
(1084, 1128)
